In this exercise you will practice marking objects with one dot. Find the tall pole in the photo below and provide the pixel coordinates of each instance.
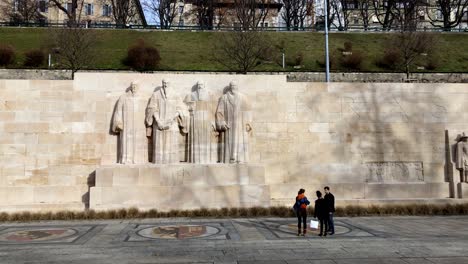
(327, 57)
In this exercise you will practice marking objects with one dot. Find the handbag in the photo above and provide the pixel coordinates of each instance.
(313, 224)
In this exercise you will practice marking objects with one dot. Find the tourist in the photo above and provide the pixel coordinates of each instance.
(301, 211)
(321, 212)
(330, 199)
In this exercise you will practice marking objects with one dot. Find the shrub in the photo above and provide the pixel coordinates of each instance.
(352, 61)
(299, 59)
(391, 59)
(432, 62)
(7, 55)
(348, 46)
(34, 58)
(142, 56)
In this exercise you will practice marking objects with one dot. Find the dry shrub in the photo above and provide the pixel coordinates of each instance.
(234, 212)
(352, 61)
(34, 58)
(142, 56)
(299, 59)
(132, 213)
(433, 62)
(90, 214)
(7, 55)
(391, 59)
(348, 46)
(153, 213)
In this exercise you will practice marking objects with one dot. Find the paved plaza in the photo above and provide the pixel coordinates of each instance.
(364, 240)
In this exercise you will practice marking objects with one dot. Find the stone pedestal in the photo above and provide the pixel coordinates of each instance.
(462, 190)
(180, 186)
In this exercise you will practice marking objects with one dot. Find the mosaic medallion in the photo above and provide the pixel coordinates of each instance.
(178, 231)
(33, 235)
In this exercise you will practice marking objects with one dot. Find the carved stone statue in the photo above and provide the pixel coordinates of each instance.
(127, 122)
(461, 162)
(166, 120)
(202, 138)
(233, 122)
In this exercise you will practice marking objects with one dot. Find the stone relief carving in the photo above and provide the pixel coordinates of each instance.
(461, 157)
(233, 122)
(127, 124)
(166, 118)
(394, 171)
(202, 134)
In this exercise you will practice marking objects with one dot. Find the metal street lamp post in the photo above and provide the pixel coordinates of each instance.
(327, 58)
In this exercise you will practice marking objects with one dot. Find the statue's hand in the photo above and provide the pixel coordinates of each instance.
(119, 126)
(248, 128)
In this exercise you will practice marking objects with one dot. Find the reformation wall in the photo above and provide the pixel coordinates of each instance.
(113, 140)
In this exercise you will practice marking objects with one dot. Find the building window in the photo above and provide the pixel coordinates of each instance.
(181, 9)
(438, 14)
(69, 7)
(89, 9)
(16, 5)
(106, 10)
(42, 6)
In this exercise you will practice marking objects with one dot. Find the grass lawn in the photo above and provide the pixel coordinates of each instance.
(193, 51)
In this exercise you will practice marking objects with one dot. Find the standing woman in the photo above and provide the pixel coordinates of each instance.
(321, 212)
(301, 211)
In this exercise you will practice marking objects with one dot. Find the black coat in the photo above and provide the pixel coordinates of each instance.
(321, 209)
(330, 199)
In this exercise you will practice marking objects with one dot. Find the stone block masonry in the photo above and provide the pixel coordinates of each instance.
(367, 141)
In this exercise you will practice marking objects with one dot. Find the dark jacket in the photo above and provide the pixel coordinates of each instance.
(321, 209)
(330, 202)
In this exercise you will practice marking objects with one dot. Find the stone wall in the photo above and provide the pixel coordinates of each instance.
(367, 141)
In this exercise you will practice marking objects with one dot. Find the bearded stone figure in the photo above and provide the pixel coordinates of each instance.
(202, 134)
(462, 157)
(127, 122)
(166, 120)
(233, 122)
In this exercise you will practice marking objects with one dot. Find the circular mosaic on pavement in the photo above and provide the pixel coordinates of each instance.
(178, 232)
(32, 235)
(292, 228)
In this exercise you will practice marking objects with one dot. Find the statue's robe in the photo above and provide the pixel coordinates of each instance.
(166, 118)
(461, 162)
(202, 134)
(234, 111)
(127, 121)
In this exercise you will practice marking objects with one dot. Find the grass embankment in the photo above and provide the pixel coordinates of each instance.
(193, 51)
(280, 211)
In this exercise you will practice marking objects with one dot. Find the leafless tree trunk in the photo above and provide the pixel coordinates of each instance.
(23, 11)
(341, 12)
(411, 44)
(451, 11)
(123, 11)
(165, 10)
(242, 51)
(364, 7)
(73, 13)
(74, 47)
(204, 11)
(295, 12)
(249, 13)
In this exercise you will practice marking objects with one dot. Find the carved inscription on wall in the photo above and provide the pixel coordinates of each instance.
(394, 171)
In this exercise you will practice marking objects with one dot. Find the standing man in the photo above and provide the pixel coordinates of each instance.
(461, 157)
(330, 200)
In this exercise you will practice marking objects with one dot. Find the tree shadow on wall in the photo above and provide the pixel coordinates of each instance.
(389, 123)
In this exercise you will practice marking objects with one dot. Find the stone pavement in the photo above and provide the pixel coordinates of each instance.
(366, 240)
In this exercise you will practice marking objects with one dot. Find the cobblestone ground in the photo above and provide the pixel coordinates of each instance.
(363, 240)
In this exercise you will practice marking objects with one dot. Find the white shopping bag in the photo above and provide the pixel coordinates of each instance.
(314, 224)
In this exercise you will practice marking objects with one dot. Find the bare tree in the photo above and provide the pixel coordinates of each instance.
(72, 11)
(341, 10)
(123, 11)
(242, 51)
(204, 11)
(24, 11)
(250, 13)
(411, 44)
(164, 10)
(74, 47)
(295, 12)
(385, 13)
(451, 13)
(364, 10)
